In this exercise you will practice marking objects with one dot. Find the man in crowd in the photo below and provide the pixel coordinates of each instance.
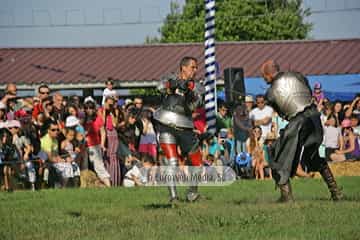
(290, 95)
(10, 93)
(177, 138)
(43, 93)
(262, 116)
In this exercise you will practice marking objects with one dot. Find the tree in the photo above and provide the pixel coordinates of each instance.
(237, 20)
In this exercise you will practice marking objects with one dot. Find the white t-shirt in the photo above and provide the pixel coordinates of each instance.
(258, 114)
(107, 92)
(331, 136)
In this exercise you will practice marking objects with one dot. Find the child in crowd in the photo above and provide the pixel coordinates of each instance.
(140, 173)
(69, 152)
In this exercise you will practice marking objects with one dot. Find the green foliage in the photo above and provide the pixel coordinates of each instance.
(236, 20)
(243, 210)
(144, 92)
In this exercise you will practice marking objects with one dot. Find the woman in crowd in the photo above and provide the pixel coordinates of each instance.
(349, 145)
(338, 111)
(332, 133)
(254, 146)
(24, 149)
(110, 115)
(148, 142)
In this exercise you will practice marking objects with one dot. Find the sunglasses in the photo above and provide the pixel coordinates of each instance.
(13, 128)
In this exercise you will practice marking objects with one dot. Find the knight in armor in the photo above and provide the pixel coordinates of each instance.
(175, 124)
(290, 95)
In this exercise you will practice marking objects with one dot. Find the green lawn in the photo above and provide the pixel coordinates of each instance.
(243, 210)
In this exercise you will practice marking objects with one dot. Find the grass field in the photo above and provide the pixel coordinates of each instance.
(243, 210)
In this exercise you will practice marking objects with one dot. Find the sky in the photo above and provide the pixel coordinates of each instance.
(50, 23)
(82, 23)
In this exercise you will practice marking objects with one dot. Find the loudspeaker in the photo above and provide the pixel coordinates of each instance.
(234, 84)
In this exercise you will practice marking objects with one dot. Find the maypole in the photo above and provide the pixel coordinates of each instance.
(210, 65)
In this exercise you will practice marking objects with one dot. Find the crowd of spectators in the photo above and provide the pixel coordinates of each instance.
(49, 140)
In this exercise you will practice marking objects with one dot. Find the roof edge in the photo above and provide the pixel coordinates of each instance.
(187, 44)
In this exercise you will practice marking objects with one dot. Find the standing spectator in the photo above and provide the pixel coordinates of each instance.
(349, 146)
(318, 94)
(199, 120)
(110, 117)
(10, 110)
(108, 91)
(249, 103)
(9, 155)
(223, 120)
(2, 114)
(138, 103)
(95, 140)
(10, 93)
(262, 115)
(148, 142)
(242, 127)
(58, 109)
(43, 93)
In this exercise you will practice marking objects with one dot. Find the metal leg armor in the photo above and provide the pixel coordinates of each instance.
(328, 177)
(168, 146)
(195, 158)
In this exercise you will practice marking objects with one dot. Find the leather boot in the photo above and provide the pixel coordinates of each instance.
(328, 177)
(285, 193)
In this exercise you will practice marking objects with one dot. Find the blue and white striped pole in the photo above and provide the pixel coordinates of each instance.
(210, 66)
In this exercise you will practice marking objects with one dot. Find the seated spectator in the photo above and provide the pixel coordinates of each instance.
(332, 133)
(254, 146)
(354, 108)
(355, 125)
(69, 153)
(349, 145)
(138, 174)
(62, 168)
(338, 111)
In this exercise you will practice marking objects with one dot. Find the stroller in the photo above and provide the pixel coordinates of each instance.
(243, 166)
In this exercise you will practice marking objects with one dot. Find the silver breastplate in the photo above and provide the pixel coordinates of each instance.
(290, 93)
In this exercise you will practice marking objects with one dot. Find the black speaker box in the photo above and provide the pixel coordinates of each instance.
(234, 84)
